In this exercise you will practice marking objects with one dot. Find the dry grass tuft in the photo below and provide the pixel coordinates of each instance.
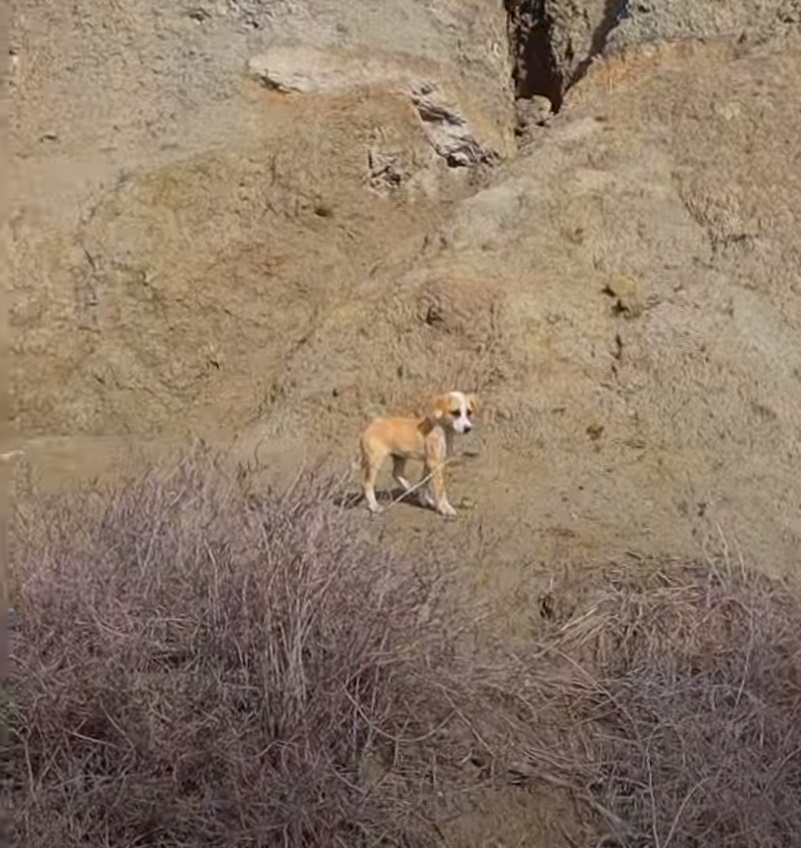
(683, 698)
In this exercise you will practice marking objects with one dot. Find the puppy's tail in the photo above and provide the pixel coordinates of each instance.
(358, 460)
(357, 463)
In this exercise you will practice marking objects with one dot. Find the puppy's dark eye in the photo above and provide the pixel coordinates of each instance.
(469, 413)
(454, 413)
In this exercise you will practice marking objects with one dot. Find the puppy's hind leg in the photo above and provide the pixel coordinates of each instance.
(371, 462)
(398, 469)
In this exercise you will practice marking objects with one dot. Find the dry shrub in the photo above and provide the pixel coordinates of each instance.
(681, 683)
(198, 665)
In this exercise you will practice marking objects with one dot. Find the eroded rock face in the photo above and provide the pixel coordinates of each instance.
(664, 20)
(556, 41)
(145, 158)
(448, 125)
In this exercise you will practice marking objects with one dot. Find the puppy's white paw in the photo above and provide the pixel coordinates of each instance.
(447, 510)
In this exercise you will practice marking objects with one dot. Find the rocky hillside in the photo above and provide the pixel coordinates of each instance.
(261, 222)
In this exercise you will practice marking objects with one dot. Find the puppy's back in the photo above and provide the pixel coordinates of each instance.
(403, 435)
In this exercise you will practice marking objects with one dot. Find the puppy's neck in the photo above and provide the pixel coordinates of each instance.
(430, 423)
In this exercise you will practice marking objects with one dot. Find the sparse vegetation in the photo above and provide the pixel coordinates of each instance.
(198, 664)
(685, 703)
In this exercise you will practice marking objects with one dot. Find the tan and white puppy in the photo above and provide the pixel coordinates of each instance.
(428, 439)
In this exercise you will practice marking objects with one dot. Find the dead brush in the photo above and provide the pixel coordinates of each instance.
(675, 706)
(198, 665)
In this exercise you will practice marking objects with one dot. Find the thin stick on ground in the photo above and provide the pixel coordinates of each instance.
(419, 485)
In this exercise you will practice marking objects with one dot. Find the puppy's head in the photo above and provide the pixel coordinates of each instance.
(455, 410)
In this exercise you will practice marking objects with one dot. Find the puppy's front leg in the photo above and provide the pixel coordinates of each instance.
(438, 484)
(425, 490)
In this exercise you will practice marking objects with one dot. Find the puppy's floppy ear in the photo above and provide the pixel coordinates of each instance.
(473, 403)
(441, 405)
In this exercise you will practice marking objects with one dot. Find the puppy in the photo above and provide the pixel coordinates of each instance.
(428, 439)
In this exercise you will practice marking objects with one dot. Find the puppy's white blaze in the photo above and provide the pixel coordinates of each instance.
(461, 423)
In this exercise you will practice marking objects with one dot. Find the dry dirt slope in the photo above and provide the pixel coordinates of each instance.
(271, 268)
(626, 295)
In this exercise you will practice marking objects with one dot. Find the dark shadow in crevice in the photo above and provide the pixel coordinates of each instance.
(536, 69)
(535, 72)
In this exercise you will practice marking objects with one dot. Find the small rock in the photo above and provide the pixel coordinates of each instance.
(386, 170)
(199, 14)
(448, 130)
(595, 431)
(533, 111)
(626, 294)
(728, 111)
(536, 109)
